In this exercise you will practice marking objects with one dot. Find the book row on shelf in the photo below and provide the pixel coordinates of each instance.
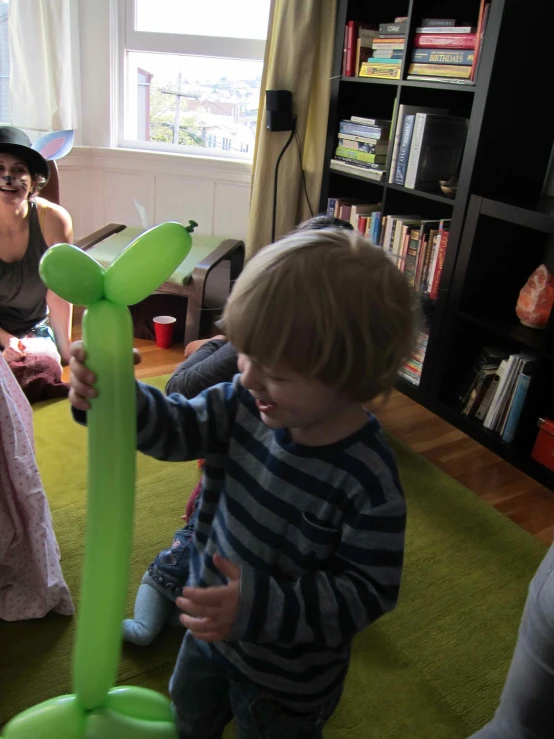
(443, 49)
(494, 391)
(417, 246)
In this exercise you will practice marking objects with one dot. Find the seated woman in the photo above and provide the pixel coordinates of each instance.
(29, 225)
(31, 580)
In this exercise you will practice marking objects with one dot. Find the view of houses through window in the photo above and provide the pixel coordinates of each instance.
(195, 101)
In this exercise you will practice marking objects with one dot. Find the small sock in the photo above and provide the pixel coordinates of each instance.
(152, 610)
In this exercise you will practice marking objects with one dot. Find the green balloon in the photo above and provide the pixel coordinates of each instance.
(139, 702)
(104, 724)
(146, 263)
(72, 274)
(108, 339)
(58, 718)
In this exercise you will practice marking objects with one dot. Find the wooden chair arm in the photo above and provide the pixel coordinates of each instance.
(97, 236)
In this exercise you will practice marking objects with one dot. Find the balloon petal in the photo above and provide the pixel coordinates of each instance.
(143, 703)
(104, 724)
(58, 718)
(146, 263)
(72, 274)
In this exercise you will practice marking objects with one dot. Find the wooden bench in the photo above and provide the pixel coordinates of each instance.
(189, 279)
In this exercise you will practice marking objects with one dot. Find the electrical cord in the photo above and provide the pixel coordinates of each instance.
(276, 177)
(303, 173)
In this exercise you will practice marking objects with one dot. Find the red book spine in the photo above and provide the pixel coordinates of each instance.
(352, 38)
(344, 51)
(445, 40)
(438, 269)
(477, 37)
(362, 224)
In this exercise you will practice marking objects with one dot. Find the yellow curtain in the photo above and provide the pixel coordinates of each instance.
(298, 57)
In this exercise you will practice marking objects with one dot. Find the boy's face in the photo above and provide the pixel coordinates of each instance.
(286, 399)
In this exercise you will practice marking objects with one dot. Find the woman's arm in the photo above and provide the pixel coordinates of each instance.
(213, 363)
(58, 228)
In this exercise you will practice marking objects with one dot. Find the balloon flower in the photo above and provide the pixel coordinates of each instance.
(97, 710)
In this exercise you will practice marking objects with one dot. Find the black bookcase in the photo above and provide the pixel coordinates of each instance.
(504, 165)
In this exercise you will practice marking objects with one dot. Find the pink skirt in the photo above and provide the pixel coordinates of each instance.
(31, 580)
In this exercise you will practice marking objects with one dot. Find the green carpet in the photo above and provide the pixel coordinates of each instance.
(432, 669)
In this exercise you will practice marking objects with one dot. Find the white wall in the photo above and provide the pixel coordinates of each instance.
(101, 185)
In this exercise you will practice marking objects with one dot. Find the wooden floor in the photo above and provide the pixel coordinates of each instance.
(510, 491)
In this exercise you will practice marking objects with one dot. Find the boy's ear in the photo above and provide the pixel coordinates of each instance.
(55, 145)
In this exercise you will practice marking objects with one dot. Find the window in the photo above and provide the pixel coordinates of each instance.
(192, 75)
(4, 64)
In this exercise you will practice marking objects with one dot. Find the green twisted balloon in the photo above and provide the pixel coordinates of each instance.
(96, 710)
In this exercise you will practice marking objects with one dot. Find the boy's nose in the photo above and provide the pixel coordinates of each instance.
(251, 377)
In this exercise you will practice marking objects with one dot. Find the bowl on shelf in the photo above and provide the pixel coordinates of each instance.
(449, 187)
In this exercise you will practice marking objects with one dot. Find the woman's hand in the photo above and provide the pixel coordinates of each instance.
(82, 379)
(14, 350)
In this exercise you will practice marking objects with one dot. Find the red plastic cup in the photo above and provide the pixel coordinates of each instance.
(164, 327)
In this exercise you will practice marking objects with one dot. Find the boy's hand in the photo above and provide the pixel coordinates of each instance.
(82, 379)
(210, 612)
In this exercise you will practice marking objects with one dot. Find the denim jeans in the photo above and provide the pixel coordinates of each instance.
(206, 695)
(526, 709)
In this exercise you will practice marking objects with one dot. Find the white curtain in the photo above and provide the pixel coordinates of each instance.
(43, 74)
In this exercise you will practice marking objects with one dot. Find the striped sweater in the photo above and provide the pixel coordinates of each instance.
(317, 531)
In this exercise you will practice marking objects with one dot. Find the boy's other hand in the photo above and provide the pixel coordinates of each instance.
(82, 379)
(210, 612)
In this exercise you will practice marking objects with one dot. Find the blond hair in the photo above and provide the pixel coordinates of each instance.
(329, 305)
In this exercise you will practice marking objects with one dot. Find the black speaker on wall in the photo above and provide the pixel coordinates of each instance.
(278, 105)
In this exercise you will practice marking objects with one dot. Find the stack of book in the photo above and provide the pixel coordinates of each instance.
(495, 389)
(418, 247)
(411, 372)
(446, 52)
(362, 147)
(364, 217)
(387, 50)
(428, 147)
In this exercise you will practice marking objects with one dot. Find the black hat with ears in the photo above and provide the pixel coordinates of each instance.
(16, 142)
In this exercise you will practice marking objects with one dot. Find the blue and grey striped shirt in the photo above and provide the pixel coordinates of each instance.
(317, 531)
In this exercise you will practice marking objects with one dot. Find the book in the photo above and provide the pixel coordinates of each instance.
(388, 71)
(361, 224)
(331, 202)
(355, 31)
(363, 172)
(393, 29)
(433, 261)
(437, 145)
(362, 54)
(411, 257)
(430, 78)
(393, 45)
(388, 53)
(524, 363)
(360, 129)
(423, 247)
(432, 237)
(444, 233)
(501, 394)
(481, 25)
(441, 70)
(516, 407)
(404, 150)
(440, 41)
(339, 203)
(370, 121)
(443, 56)
(484, 408)
(438, 22)
(404, 110)
(490, 357)
(377, 60)
(445, 29)
(364, 139)
(478, 390)
(379, 166)
(367, 34)
(378, 149)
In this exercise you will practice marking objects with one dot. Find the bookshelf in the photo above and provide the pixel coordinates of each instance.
(497, 236)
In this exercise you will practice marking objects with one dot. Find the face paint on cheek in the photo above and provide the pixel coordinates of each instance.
(22, 181)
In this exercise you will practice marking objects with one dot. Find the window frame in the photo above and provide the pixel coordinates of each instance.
(131, 40)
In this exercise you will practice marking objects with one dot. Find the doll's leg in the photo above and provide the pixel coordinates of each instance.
(152, 610)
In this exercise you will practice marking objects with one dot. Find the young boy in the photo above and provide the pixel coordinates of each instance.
(300, 535)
